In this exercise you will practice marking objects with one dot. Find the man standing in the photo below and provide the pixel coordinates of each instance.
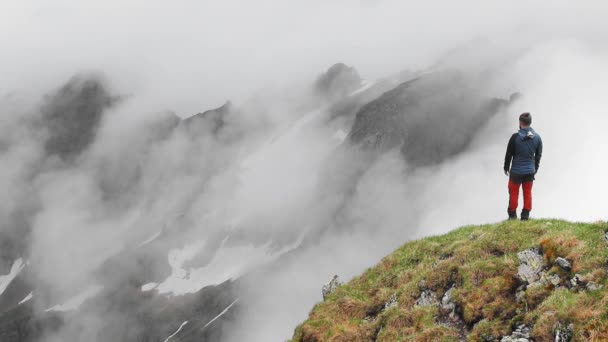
(523, 155)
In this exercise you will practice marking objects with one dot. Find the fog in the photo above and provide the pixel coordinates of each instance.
(280, 201)
(190, 55)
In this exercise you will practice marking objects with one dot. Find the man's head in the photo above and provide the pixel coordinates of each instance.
(525, 120)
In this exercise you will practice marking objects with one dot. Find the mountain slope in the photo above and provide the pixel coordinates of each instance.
(543, 280)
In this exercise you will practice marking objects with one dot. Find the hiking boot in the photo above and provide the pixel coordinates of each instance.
(512, 215)
(525, 215)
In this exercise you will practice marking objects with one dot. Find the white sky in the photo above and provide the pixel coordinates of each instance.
(191, 55)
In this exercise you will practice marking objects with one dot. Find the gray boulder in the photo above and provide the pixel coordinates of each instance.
(521, 334)
(331, 286)
(593, 286)
(577, 281)
(531, 264)
(427, 298)
(563, 264)
(546, 279)
(447, 301)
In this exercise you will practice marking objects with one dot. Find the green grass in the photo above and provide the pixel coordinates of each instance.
(481, 262)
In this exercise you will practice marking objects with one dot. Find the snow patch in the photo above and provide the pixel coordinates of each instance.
(149, 287)
(227, 263)
(150, 239)
(366, 85)
(5, 280)
(28, 297)
(221, 313)
(177, 331)
(75, 302)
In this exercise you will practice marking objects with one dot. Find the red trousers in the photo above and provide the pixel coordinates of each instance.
(514, 195)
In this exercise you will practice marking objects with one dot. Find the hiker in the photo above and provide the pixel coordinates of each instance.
(522, 160)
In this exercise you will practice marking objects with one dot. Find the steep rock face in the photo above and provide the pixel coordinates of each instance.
(72, 115)
(338, 81)
(128, 315)
(430, 118)
(213, 120)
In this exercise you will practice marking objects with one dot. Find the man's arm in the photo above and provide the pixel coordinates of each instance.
(538, 154)
(510, 153)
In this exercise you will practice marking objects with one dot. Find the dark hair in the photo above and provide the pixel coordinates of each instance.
(525, 119)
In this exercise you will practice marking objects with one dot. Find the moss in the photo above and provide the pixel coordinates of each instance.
(481, 262)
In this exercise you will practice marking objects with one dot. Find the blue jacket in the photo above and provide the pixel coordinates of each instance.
(524, 151)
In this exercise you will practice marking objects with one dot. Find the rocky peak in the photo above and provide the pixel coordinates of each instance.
(213, 119)
(338, 81)
(72, 115)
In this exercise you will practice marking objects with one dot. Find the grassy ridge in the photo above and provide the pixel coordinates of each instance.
(481, 264)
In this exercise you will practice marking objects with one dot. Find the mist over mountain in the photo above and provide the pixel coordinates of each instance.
(203, 184)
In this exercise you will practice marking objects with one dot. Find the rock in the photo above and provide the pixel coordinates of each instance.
(392, 302)
(546, 279)
(531, 264)
(447, 302)
(564, 333)
(563, 264)
(553, 279)
(73, 114)
(592, 286)
(427, 298)
(577, 281)
(521, 334)
(330, 287)
(520, 293)
(606, 237)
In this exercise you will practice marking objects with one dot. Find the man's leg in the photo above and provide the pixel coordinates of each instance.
(513, 198)
(525, 213)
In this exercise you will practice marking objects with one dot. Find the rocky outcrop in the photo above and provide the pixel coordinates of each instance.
(392, 302)
(331, 286)
(427, 298)
(520, 334)
(564, 333)
(579, 283)
(447, 301)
